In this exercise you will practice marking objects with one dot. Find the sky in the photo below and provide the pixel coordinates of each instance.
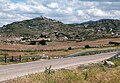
(67, 11)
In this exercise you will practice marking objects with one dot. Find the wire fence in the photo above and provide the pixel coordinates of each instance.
(8, 59)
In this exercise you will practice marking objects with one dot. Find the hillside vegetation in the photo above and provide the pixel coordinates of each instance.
(105, 28)
(35, 26)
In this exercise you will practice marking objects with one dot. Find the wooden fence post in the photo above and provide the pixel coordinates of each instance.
(12, 58)
(20, 58)
(5, 59)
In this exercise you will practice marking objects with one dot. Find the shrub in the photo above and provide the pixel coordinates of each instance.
(70, 48)
(87, 46)
(49, 70)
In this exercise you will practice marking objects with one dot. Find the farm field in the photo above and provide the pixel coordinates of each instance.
(58, 48)
(57, 53)
(58, 45)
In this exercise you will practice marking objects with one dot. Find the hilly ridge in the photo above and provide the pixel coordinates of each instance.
(39, 25)
(108, 23)
(35, 26)
(31, 27)
(103, 28)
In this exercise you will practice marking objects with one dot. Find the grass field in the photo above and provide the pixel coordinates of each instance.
(57, 53)
(95, 73)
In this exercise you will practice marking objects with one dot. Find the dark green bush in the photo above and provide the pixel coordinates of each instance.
(87, 46)
(70, 48)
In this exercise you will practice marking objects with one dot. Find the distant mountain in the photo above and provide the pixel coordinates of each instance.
(88, 22)
(107, 23)
(87, 30)
(103, 28)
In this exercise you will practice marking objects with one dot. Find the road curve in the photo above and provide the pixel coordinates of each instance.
(16, 70)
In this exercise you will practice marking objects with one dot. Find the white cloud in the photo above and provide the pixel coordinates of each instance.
(97, 12)
(53, 5)
(115, 13)
(65, 11)
(80, 13)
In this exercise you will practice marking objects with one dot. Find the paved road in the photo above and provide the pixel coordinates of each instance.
(16, 70)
